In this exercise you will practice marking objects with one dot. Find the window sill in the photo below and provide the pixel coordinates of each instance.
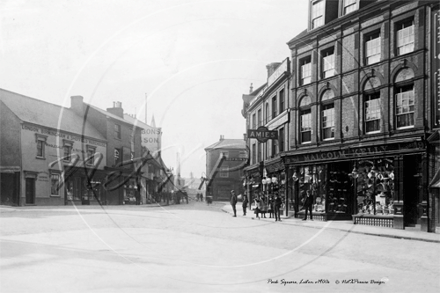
(56, 196)
(40, 158)
(372, 132)
(405, 127)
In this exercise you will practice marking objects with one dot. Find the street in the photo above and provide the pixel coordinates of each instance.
(199, 248)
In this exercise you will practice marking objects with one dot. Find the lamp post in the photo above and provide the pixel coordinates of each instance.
(372, 175)
(295, 179)
(354, 175)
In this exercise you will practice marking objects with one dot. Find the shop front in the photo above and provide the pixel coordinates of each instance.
(275, 181)
(253, 181)
(83, 186)
(379, 185)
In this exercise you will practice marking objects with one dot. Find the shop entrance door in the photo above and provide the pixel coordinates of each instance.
(9, 188)
(30, 190)
(411, 167)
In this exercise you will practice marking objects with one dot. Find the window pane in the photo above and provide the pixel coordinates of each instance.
(317, 14)
(405, 106)
(405, 38)
(372, 49)
(55, 183)
(372, 113)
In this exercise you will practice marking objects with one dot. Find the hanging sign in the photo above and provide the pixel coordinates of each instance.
(262, 134)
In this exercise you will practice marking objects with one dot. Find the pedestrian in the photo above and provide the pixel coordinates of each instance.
(270, 206)
(233, 201)
(308, 201)
(277, 206)
(257, 203)
(245, 202)
(201, 197)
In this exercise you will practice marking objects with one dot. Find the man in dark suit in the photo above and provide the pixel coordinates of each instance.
(233, 201)
(308, 202)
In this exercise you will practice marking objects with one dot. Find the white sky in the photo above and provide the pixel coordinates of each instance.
(194, 60)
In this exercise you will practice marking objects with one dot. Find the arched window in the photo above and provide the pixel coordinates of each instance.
(327, 115)
(305, 120)
(372, 104)
(404, 99)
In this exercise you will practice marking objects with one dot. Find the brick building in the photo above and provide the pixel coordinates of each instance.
(364, 113)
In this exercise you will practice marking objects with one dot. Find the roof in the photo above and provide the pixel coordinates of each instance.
(108, 114)
(298, 36)
(46, 114)
(228, 144)
(137, 122)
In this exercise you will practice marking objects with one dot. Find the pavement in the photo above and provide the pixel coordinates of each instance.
(408, 233)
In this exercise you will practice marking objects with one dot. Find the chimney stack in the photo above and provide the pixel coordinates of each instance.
(77, 104)
(222, 137)
(251, 89)
(271, 68)
(117, 109)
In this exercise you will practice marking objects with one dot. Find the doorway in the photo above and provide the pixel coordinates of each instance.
(30, 190)
(411, 181)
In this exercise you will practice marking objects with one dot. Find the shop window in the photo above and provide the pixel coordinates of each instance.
(328, 63)
(372, 113)
(55, 184)
(372, 48)
(328, 121)
(374, 185)
(305, 70)
(317, 14)
(224, 154)
(41, 146)
(274, 107)
(117, 131)
(350, 6)
(224, 172)
(282, 101)
(405, 37)
(312, 179)
(405, 106)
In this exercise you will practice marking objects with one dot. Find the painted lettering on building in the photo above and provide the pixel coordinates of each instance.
(53, 132)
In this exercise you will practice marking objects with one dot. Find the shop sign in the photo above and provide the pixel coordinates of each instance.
(355, 152)
(262, 134)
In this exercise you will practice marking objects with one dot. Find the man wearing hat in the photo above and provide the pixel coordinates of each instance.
(233, 202)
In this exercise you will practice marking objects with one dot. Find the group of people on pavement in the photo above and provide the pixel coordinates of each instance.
(263, 204)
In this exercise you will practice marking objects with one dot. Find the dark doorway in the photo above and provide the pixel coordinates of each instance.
(9, 188)
(30, 190)
(411, 180)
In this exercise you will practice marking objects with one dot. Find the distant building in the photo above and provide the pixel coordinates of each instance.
(225, 161)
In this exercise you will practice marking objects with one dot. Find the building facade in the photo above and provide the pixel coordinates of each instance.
(362, 108)
(40, 150)
(362, 116)
(268, 107)
(225, 160)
